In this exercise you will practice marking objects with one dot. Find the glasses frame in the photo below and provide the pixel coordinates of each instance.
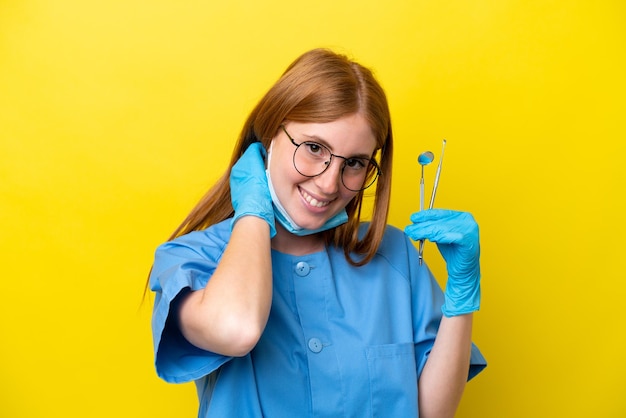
(343, 166)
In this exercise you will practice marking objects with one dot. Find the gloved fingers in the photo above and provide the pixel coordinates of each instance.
(252, 161)
(443, 227)
(442, 233)
(439, 214)
(420, 231)
(249, 190)
(256, 148)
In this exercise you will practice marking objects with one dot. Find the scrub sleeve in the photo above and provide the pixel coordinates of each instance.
(180, 266)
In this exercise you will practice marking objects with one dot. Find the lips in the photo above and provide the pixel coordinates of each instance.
(313, 201)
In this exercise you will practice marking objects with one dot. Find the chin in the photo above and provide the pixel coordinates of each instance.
(310, 225)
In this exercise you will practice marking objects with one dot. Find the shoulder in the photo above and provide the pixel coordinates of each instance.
(209, 242)
(396, 256)
(189, 260)
(395, 245)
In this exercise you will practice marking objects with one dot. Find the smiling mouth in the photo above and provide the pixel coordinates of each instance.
(313, 201)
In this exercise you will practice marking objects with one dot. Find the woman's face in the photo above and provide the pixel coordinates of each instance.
(311, 201)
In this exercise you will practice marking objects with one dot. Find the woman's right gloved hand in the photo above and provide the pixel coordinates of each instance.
(249, 191)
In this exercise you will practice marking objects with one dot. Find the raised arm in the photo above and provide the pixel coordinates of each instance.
(229, 315)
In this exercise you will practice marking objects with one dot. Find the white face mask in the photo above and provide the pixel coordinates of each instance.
(281, 215)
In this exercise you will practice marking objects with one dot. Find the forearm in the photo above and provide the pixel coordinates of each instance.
(443, 379)
(228, 316)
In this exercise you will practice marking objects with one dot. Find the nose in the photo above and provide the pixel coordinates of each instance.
(330, 180)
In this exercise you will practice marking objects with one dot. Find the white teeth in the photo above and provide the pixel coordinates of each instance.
(313, 202)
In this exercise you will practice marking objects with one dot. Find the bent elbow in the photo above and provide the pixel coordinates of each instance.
(232, 337)
(242, 340)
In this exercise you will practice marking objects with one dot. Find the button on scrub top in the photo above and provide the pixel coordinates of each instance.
(341, 341)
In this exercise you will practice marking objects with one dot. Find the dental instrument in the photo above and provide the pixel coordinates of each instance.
(423, 159)
(434, 193)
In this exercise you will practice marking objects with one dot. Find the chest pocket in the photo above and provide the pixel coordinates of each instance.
(393, 380)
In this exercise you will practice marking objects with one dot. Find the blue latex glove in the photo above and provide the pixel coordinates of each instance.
(249, 191)
(456, 235)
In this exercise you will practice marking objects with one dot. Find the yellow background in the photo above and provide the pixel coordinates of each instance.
(115, 116)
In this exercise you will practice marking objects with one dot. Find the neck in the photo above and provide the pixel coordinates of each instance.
(288, 243)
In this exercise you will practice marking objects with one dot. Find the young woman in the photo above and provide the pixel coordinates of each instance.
(278, 301)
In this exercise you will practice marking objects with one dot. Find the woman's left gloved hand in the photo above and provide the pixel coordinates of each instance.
(456, 235)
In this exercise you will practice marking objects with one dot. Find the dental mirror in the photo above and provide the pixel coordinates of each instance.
(423, 159)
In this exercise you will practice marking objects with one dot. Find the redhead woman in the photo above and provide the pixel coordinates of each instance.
(277, 300)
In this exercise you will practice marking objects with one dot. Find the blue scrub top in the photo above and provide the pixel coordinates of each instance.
(341, 341)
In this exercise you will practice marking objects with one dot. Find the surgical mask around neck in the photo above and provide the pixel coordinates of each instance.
(281, 215)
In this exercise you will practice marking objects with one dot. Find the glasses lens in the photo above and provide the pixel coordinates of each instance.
(311, 159)
(358, 174)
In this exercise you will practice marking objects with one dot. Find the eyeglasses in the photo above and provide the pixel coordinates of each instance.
(311, 159)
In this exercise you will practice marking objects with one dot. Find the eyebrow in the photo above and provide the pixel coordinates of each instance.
(321, 141)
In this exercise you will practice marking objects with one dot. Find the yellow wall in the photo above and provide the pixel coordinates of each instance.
(116, 115)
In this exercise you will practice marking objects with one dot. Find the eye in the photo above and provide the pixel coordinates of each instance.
(316, 150)
(356, 164)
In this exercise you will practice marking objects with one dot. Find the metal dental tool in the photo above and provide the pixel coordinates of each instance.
(432, 197)
(434, 193)
(423, 159)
